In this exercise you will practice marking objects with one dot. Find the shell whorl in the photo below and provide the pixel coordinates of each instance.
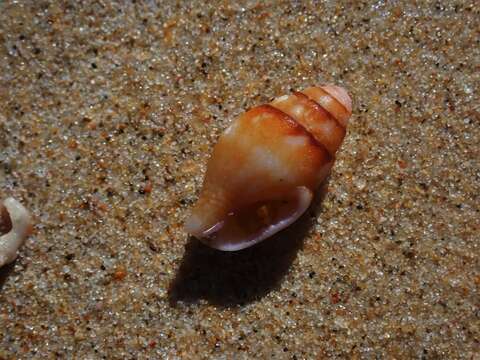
(321, 111)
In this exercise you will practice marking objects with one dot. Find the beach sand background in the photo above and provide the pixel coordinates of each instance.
(108, 114)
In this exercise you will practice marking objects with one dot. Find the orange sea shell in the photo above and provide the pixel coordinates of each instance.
(266, 165)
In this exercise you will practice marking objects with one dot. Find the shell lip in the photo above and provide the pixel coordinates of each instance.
(213, 229)
(221, 240)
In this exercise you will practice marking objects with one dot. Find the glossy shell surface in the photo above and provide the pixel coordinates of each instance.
(266, 165)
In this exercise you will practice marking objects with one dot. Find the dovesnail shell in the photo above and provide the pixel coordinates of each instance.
(266, 166)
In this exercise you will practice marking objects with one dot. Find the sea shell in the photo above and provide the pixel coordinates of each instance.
(266, 165)
(16, 219)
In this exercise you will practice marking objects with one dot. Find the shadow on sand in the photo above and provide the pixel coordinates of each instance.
(237, 278)
(5, 272)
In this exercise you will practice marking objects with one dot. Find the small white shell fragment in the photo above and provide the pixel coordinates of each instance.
(21, 228)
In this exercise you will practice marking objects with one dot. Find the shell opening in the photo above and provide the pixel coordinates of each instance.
(5, 220)
(247, 226)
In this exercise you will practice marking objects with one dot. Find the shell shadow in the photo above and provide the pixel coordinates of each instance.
(5, 272)
(236, 278)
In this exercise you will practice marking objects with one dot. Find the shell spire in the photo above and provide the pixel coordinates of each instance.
(266, 166)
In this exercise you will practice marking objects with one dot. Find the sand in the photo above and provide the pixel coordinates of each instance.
(108, 113)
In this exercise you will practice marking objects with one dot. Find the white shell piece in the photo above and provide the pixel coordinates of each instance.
(21, 227)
